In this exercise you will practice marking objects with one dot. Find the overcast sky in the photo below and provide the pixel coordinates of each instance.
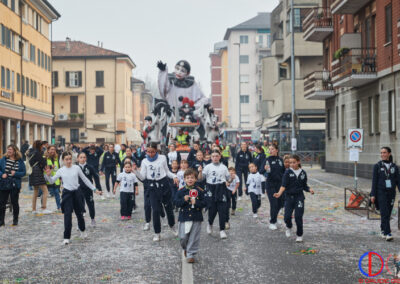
(151, 30)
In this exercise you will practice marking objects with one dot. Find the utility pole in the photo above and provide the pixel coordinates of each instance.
(294, 142)
(240, 102)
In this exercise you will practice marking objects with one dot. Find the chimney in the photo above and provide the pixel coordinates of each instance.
(68, 44)
(101, 44)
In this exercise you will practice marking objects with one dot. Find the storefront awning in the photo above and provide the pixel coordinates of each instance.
(271, 122)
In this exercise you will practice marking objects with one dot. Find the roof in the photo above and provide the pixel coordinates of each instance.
(52, 8)
(261, 21)
(79, 49)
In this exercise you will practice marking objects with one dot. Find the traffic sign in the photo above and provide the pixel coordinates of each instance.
(294, 144)
(355, 138)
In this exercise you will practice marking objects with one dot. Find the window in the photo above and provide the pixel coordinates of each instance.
(244, 99)
(3, 35)
(269, 40)
(99, 78)
(54, 79)
(244, 39)
(74, 135)
(282, 71)
(244, 78)
(73, 79)
(38, 55)
(392, 112)
(6, 36)
(5, 2)
(12, 81)
(18, 83)
(33, 53)
(73, 104)
(8, 79)
(260, 40)
(45, 61)
(3, 77)
(32, 89)
(388, 23)
(377, 118)
(27, 86)
(23, 84)
(42, 59)
(99, 104)
(337, 122)
(359, 115)
(244, 59)
(13, 5)
(328, 122)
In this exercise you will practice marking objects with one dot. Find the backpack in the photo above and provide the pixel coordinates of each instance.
(28, 165)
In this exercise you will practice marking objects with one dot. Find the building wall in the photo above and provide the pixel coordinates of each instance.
(216, 83)
(118, 103)
(225, 87)
(24, 111)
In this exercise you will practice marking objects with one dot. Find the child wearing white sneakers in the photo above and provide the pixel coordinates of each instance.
(128, 189)
(254, 188)
(294, 182)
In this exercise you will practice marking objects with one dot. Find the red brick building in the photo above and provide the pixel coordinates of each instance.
(360, 79)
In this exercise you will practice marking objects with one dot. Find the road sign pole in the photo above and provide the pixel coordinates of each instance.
(355, 175)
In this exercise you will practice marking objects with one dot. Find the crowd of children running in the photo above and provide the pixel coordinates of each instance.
(201, 183)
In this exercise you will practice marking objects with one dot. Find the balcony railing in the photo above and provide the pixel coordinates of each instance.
(318, 24)
(348, 6)
(355, 67)
(318, 86)
(69, 120)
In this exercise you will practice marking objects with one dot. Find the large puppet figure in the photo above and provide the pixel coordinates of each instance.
(179, 84)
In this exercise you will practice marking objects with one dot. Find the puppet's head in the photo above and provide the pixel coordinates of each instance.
(182, 69)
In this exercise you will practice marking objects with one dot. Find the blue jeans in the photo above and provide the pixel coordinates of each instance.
(55, 191)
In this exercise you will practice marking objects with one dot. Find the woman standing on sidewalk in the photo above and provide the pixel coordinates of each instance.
(36, 179)
(385, 178)
(12, 169)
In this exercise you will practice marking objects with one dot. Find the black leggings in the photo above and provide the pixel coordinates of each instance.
(87, 194)
(4, 194)
(72, 202)
(113, 173)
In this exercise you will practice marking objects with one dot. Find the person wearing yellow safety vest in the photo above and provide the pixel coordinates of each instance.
(122, 152)
(182, 138)
(226, 152)
(53, 164)
(266, 148)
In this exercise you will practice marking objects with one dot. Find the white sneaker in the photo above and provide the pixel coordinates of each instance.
(83, 235)
(288, 233)
(255, 215)
(146, 227)
(133, 211)
(239, 198)
(102, 197)
(209, 229)
(174, 231)
(299, 239)
(45, 211)
(222, 234)
(34, 212)
(273, 227)
(66, 241)
(156, 238)
(107, 194)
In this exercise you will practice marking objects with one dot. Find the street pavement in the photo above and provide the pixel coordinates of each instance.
(120, 252)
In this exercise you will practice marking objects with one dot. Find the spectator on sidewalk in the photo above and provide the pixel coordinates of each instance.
(24, 148)
(53, 164)
(385, 179)
(12, 169)
(36, 179)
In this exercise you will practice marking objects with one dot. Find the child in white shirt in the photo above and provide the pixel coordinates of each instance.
(254, 188)
(128, 188)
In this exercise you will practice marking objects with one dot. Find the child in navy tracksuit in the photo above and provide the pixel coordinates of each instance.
(254, 188)
(385, 178)
(293, 184)
(190, 200)
(87, 194)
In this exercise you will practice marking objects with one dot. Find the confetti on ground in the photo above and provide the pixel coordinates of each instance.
(106, 278)
(306, 251)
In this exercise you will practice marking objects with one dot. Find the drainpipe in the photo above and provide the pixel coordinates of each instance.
(115, 101)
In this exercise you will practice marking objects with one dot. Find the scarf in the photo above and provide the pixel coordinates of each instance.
(152, 159)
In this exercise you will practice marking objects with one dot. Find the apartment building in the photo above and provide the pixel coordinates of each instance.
(25, 71)
(247, 44)
(142, 103)
(277, 85)
(360, 79)
(92, 96)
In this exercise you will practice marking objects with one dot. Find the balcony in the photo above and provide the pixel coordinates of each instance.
(318, 24)
(262, 48)
(318, 86)
(355, 67)
(348, 6)
(277, 47)
(69, 120)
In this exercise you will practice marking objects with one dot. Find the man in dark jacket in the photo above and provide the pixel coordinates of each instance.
(109, 167)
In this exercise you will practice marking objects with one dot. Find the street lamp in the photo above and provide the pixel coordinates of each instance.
(240, 102)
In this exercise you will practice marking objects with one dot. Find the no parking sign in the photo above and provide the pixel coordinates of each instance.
(355, 138)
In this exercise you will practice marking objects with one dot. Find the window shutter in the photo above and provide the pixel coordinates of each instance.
(80, 78)
(67, 79)
(99, 104)
(56, 79)
(73, 104)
